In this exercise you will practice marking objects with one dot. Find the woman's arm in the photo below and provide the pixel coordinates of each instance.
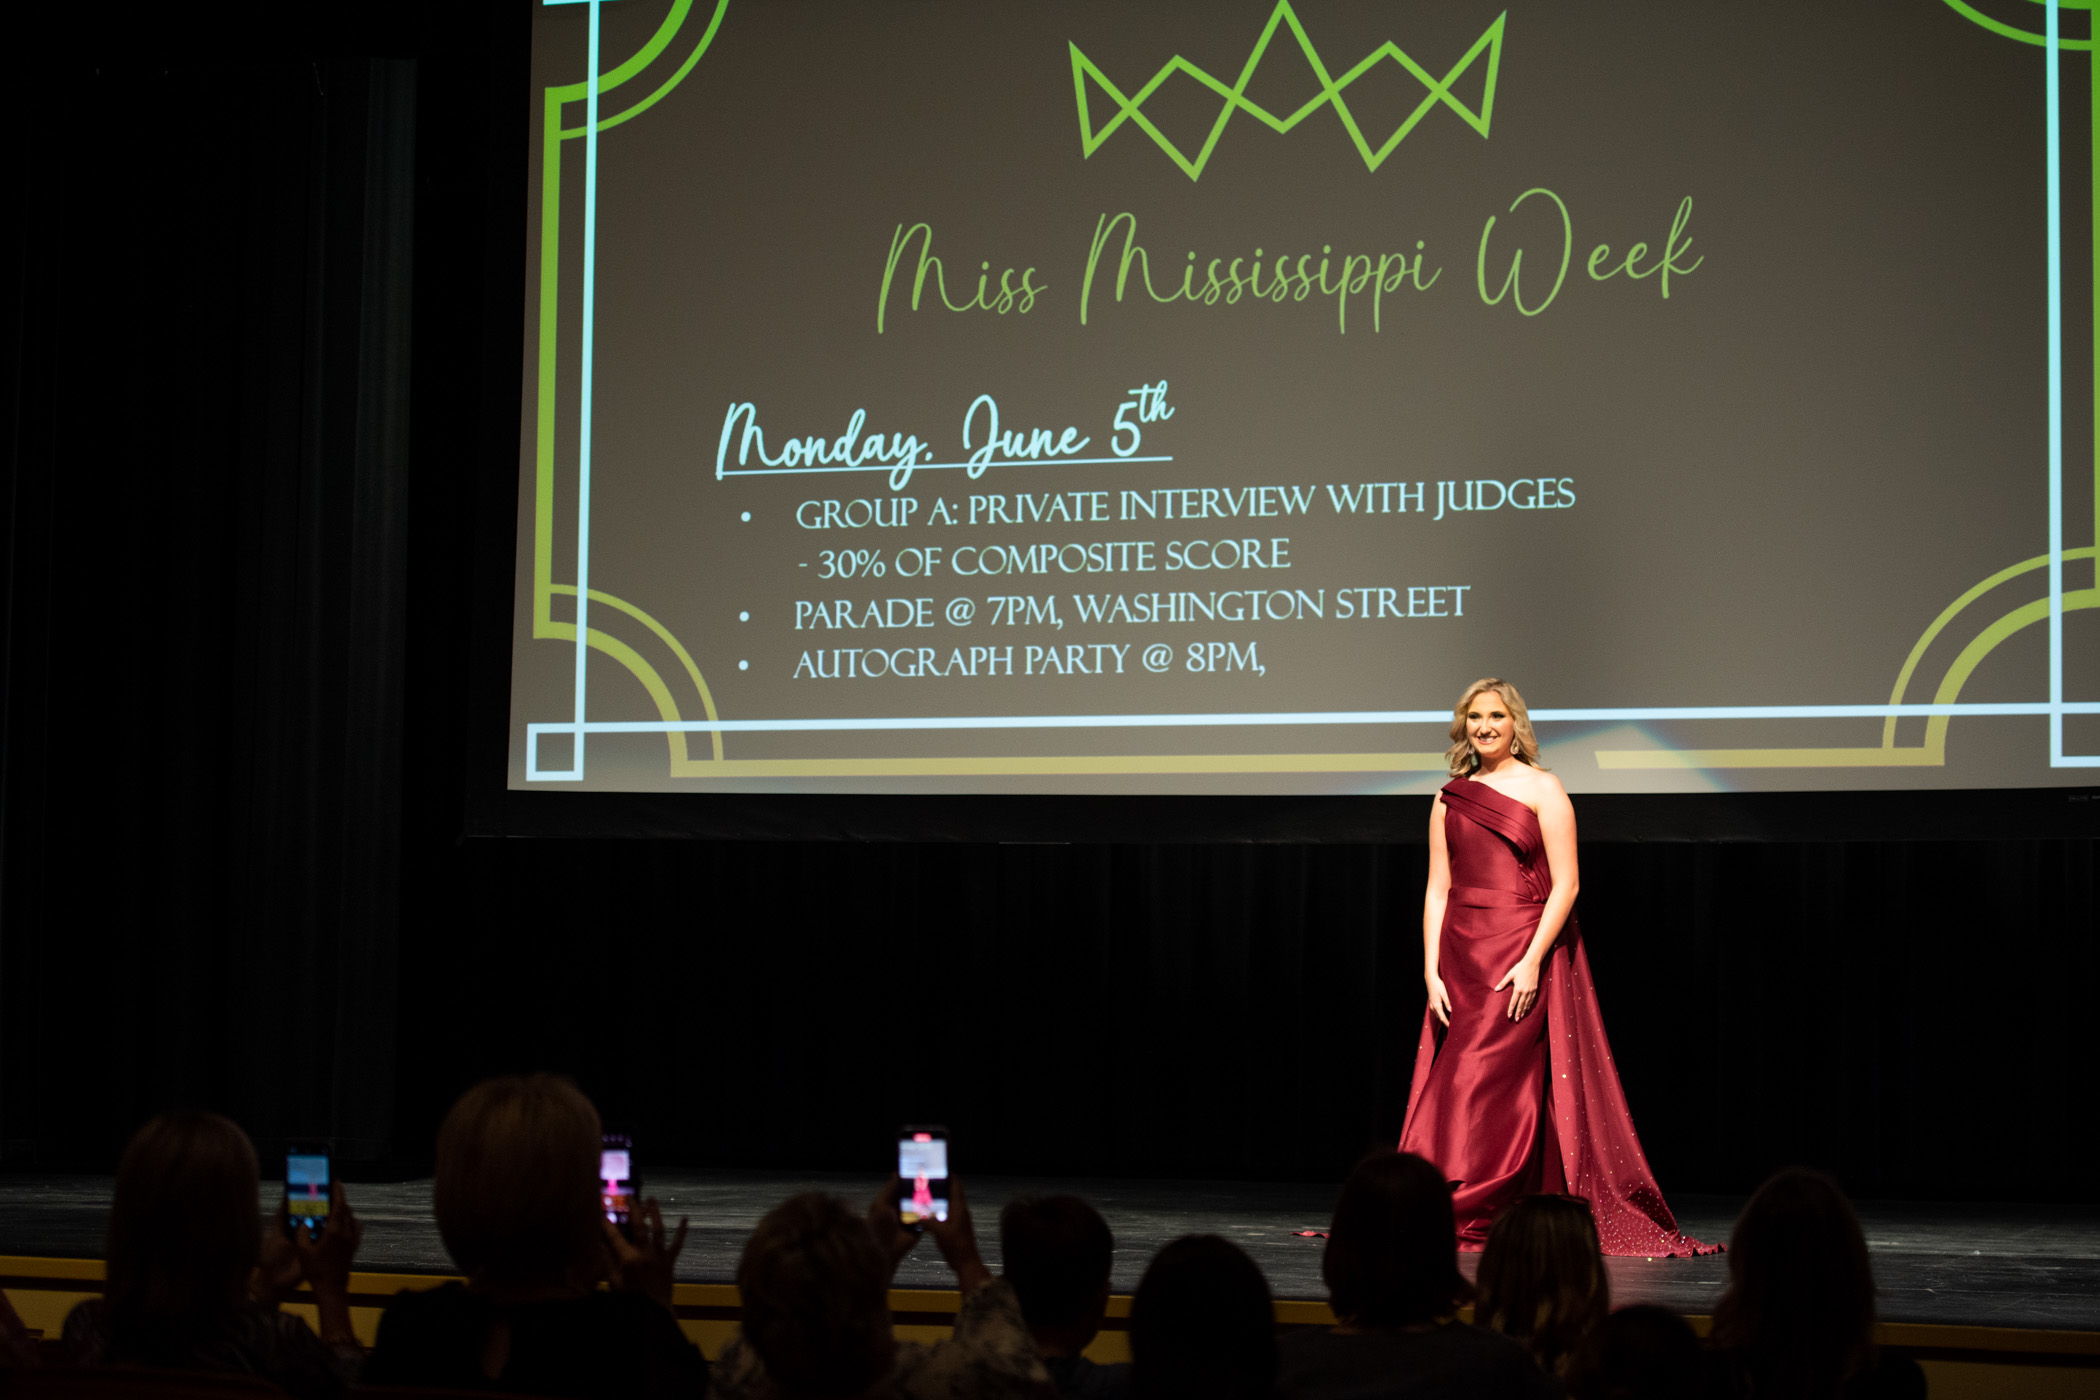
(1557, 825)
(325, 1262)
(1433, 901)
(956, 1236)
(648, 1263)
(957, 1239)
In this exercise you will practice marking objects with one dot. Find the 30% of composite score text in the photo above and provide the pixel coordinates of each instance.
(851, 563)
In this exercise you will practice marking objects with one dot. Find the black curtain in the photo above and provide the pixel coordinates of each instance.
(1252, 1011)
(210, 316)
(263, 353)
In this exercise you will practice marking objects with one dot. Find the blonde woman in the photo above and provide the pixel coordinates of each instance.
(1514, 1091)
(517, 1204)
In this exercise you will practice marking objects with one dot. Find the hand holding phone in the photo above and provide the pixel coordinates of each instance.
(309, 1191)
(886, 1220)
(619, 1185)
(321, 1235)
(645, 1260)
(922, 1168)
(956, 1238)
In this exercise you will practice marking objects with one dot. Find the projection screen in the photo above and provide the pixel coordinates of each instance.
(1195, 397)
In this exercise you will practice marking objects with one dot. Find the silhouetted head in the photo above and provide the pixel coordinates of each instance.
(1057, 1251)
(1202, 1326)
(1639, 1353)
(516, 1195)
(1799, 1307)
(815, 1283)
(185, 1225)
(1542, 1277)
(1392, 1252)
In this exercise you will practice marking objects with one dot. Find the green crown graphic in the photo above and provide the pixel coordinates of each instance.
(1130, 109)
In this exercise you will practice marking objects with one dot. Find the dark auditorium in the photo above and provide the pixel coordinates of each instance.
(1181, 700)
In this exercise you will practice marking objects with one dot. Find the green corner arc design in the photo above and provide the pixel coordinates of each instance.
(2024, 36)
(2057, 601)
(544, 624)
(2052, 606)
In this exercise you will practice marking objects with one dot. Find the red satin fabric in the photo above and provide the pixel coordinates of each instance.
(1509, 1108)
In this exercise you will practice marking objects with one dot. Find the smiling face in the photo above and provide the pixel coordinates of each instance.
(1489, 727)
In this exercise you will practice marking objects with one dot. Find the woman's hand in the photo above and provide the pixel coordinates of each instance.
(895, 1237)
(1523, 983)
(1439, 999)
(290, 1255)
(324, 1260)
(646, 1264)
(957, 1238)
(277, 1269)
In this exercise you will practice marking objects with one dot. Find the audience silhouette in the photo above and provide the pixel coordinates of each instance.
(1057, 1252)
(17, 1348)
(1797, 1318)
(1392, 1277)
(1639, 1352)
(814, 1279)
(1542, 1279)
(1202, 1326)
(557, 1302)
(516, 1199)
(189, 1281)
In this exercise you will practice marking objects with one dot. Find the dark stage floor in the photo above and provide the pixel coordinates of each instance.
(1987, 1265)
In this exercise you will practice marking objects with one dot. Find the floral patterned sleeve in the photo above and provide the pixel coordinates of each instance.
(737, 1373)
(990, 1357)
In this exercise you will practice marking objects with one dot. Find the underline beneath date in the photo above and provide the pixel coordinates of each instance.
(971, 467)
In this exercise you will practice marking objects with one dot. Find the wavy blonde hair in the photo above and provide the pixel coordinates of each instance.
(1523, 744)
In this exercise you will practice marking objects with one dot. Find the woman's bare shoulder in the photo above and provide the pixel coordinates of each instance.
(1542, 789)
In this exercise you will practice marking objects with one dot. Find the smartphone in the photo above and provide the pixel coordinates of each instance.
(619, 1188)
(309, 1190)
(922, 1165)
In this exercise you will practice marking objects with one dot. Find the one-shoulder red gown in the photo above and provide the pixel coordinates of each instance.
(1509, 1108)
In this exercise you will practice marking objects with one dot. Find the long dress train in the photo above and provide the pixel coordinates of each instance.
(1509, 1108)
